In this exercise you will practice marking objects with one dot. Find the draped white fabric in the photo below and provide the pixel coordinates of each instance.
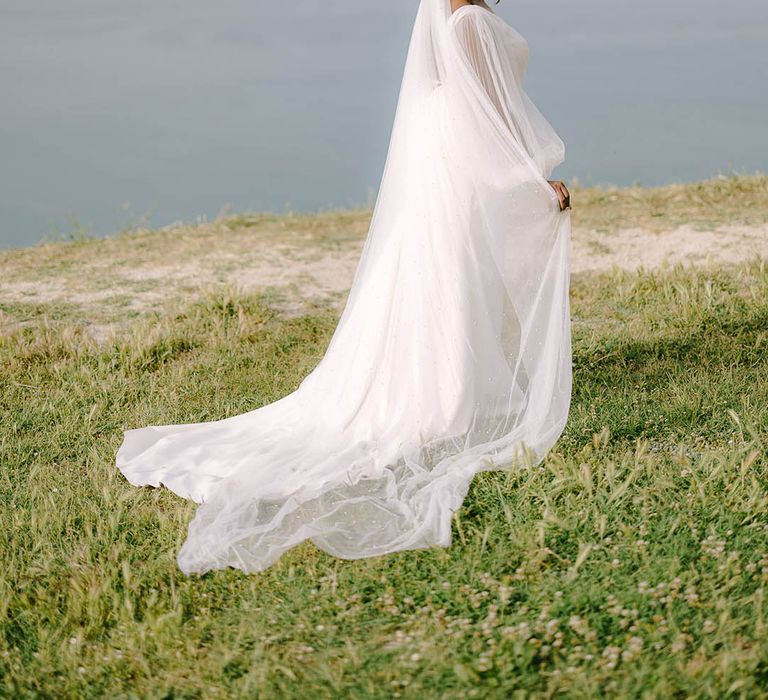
(452, 355)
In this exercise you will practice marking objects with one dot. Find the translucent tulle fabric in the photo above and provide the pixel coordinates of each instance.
(452, 355)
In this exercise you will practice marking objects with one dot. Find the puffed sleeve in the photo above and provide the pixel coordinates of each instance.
(495, 58)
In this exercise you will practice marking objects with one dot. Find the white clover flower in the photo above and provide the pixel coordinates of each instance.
(551, 627)
(679, 644)
(633, 650)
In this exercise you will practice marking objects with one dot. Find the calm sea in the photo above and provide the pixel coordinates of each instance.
(116, 112)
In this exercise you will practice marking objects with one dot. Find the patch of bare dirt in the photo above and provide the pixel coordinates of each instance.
(300, 274)
(634, 248)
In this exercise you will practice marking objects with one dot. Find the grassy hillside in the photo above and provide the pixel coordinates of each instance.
(107, 283)
(633, 562)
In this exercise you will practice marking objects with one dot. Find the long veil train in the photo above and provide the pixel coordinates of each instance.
(452, 355)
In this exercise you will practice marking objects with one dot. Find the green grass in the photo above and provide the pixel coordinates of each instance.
(731, 199)
(632, 563)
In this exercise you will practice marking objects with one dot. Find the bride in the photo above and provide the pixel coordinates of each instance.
(452, 355)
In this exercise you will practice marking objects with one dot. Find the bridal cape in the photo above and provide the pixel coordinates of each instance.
(451, 357)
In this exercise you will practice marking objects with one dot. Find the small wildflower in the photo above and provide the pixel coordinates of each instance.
(634, 647)
(679, 644)
(483, 663)
(577, 624)
(551, 628)
(713, 547)
(611, 655)
(524, 631)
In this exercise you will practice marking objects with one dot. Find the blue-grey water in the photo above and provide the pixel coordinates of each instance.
(116, 112)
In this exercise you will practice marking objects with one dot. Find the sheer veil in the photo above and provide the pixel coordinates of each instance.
(452, 354)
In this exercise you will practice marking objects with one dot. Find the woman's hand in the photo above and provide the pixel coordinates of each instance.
(563, 195)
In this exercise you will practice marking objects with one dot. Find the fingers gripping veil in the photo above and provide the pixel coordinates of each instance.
(452, 354)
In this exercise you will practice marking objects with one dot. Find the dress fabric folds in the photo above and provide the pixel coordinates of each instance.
(452, 355)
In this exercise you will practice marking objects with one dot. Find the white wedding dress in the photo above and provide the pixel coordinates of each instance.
(452, 355)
